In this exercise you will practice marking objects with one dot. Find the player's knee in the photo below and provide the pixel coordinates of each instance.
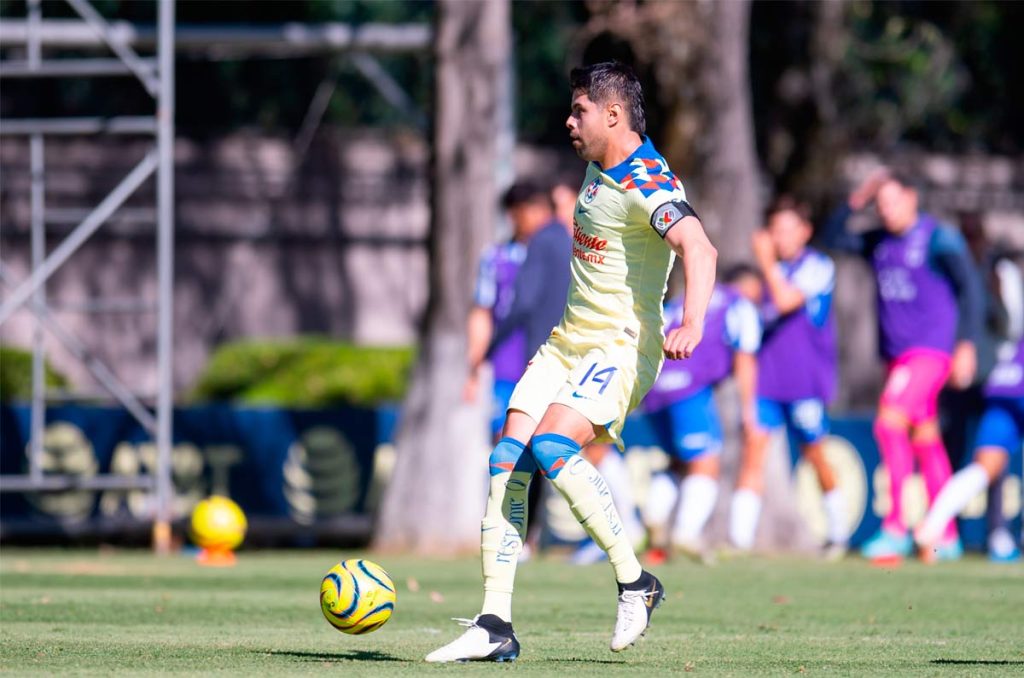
(927, 432)
(993, 460)
(508, 456)
(705, 465)
(552, 452)
(889, 420)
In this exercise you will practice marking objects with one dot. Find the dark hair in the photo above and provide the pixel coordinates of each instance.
(739, 271)
(788, 203)
(523, 192)
(906, 180)
(611, 80)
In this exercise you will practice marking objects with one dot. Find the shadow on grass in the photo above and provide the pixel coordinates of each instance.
(581, 660)
(978, 662)
(351, 655)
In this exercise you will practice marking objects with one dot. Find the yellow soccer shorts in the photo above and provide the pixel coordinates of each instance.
(602, 381)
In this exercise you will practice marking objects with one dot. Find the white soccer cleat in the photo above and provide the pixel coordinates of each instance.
(487, 638)
(634, 612)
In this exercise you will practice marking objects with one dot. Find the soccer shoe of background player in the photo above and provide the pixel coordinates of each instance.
(635, 609)
(655, 557)
(588, 553)
(1002, 548)
(1005, 557)
(833, 552)
(886, 545)
(487, 639)
(944, 551)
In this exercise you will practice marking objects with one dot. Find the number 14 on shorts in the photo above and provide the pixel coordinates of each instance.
(595, 379)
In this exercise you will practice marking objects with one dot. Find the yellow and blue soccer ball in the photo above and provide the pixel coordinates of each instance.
(357, 596)
(218, 524)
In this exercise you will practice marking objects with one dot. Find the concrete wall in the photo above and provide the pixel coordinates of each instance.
(339, 251)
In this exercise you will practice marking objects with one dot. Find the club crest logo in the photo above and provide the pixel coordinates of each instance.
(591, 191)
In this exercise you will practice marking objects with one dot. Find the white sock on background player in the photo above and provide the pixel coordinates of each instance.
(965, 485)
(700, 492)
(834, 503)
(743, 517)
(662, 496)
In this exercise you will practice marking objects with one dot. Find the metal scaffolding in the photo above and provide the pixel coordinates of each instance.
(157, 77)
(123, 40)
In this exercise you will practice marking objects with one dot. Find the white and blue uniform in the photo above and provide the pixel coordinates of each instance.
(680, 405)
(797, 364)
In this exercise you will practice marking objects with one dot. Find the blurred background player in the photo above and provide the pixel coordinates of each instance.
(925, 279)
(998, 441)
(542, 283)
(797, 368)
(492, 300)
(960, 409)
(682, 410)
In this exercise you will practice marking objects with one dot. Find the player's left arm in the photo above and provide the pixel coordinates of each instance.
(688, 240)
(948, 253)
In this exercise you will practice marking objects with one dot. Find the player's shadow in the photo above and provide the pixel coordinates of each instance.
(578, 660)
(978, 662)
(349, 655)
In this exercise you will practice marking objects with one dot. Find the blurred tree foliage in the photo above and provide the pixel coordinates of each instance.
(831, 77)
(304, 372)
(16, 374)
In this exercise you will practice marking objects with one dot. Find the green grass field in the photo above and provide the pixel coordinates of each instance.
(88, 612)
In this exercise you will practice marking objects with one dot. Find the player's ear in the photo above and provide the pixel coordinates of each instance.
(613, 114)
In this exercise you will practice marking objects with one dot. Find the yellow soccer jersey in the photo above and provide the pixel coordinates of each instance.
(620, 265)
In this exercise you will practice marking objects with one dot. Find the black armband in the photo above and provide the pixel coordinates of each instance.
(669, 214)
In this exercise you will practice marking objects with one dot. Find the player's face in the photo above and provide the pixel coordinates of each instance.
(897, 206)
(750, 287)
(587, 128)
(527, 218)
(790, 233)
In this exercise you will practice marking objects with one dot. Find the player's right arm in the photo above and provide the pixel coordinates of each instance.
(688, 240)
(835, 234)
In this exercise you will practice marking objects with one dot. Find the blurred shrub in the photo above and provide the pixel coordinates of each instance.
(309, 372)
(16, 375)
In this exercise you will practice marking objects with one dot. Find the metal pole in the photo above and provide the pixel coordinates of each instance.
(165, 276)
(120, 48)
(99, 370)
(78, 236)
(35, 17)
(38, 417)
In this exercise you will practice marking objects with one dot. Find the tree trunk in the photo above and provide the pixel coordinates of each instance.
(732, 191)
(436, 494)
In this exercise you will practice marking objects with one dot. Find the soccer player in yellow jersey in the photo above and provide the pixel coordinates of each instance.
(599, 361)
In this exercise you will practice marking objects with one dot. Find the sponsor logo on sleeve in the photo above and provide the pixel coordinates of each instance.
(665, 217)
